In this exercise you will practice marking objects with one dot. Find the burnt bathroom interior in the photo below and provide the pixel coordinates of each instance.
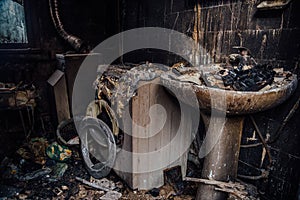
(44, 43)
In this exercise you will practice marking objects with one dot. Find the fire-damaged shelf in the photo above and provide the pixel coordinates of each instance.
(273, 5)
(24, 50)
(24, 54)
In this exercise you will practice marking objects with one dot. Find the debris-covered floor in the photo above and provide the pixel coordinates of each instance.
(31, 174)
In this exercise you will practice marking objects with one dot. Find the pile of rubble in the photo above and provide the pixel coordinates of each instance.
(17, 95)
(42, 169)
(240, 73)
(251, 78)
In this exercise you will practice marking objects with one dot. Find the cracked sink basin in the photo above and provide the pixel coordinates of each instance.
(238, 102)
(235, 102)
(223, 142)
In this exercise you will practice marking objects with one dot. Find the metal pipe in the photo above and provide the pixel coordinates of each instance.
(74, 41)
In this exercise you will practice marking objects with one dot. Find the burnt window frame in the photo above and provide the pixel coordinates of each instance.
(31, 24)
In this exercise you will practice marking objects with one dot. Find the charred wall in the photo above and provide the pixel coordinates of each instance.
(271, 35)
(91, 20)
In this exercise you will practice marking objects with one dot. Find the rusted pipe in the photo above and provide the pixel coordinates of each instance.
(264, 174)
(74, 41)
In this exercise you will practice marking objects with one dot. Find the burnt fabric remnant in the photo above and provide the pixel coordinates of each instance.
(252, 79)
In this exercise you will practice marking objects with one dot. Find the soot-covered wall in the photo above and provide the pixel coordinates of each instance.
(91, 20)
(271, 35)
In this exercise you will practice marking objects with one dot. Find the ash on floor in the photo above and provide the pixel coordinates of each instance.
(44, 178)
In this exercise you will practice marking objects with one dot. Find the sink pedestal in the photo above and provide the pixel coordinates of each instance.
(222, 161)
